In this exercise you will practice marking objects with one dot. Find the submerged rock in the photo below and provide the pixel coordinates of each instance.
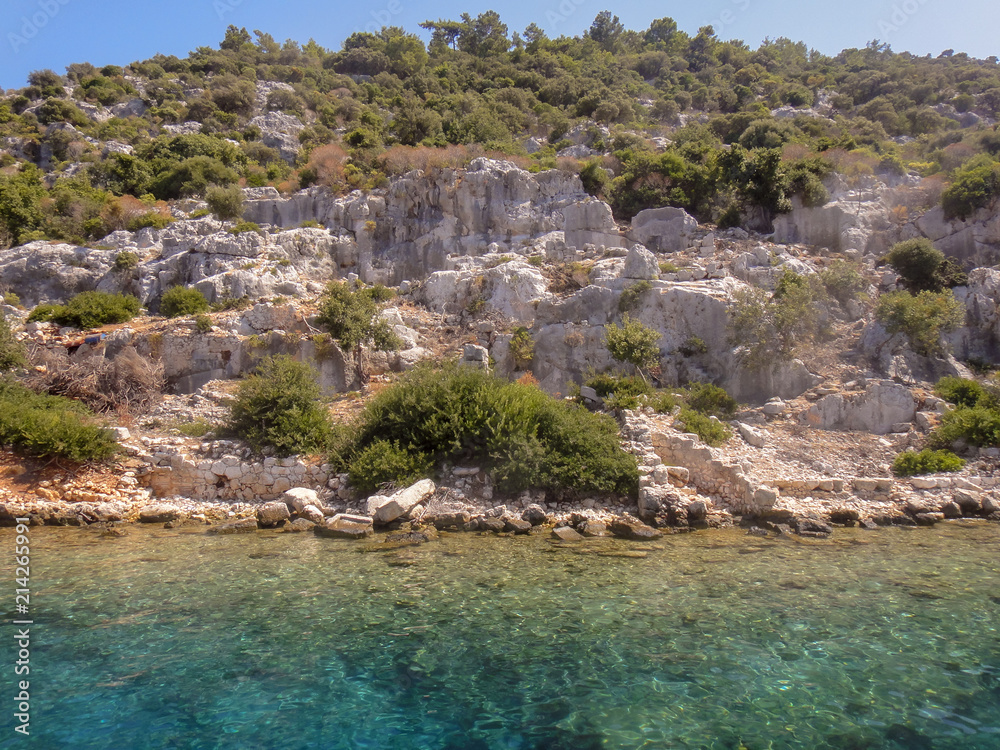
(635, 530)
(243, 526)
(344, 526)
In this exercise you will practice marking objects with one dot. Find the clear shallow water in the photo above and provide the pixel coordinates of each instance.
(175, 639)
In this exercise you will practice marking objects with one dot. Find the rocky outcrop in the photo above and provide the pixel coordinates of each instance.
(401, 504)
(409, 230)
(878, 409)
(280, 131)
(665, 230)
(589, 222)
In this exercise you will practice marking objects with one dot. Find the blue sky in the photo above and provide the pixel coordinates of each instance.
(37, 34)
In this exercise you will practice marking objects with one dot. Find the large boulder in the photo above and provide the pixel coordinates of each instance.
(272, 514)
(401, 504)
(590, 222)
(875, 410)
(640, 264)
(344, 526)
(666, 230)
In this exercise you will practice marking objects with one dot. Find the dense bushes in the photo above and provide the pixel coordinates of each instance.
(925, 462)
(50, 426)
(633, 343)
(768, 328)
(89, 310)
(11, 350)
(182, 300)
(923, 267)
(975, 186)
(922, 318)
(698, 402)
(350, 315)
(523, 436)
(278, 407)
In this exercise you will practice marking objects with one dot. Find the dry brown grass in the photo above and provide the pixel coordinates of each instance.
(126, 385)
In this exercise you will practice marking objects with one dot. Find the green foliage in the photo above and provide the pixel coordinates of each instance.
(923, 267)
(633, 343)
(910, 463)
(711, 400)
(975, 425)
(126, 261)
(10, 298)
(961, 392)
(974, 186)
(21, 197)
(523, 436)
(710, 431)
(350, 316)
(12, 353)
(843, 281)
(182, 300)
(278, 407)
(225, 202)
(522, 347)
(89, 310)
(632, 294)
(382, 463)
(922, 318)
(50, 426)
(245, 226)
(203, 323)
(194, 429)
(766, 329)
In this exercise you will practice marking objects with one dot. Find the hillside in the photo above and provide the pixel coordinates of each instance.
(815, 235)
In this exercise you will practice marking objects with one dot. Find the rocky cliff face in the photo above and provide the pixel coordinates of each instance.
(485, 250)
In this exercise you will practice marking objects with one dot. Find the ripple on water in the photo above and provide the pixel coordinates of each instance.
(703, 641)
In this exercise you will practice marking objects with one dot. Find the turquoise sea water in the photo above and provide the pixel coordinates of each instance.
(175, 639)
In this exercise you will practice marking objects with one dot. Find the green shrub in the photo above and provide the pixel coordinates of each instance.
(960, 391)
(926, 461)
(278, 407)
(226, 304)
(976, 425)
(11, 350)
(203, 323)
(182, 300)
(43, 313)
(693, 346)
(923, 267)
(633, 343)
(126, 261)
(975, 185)
(523, 436)
(90, 310)
(843, 281)
(766, 329)
(152, 219)
(245, 226)
(225, 202)
(384, 463)
(10, 298)
(631, 295)
(711, 400)
(707, 429)
(194, 429)
(522, 347)
(922, 318)
(50, 426)
(350, 316)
